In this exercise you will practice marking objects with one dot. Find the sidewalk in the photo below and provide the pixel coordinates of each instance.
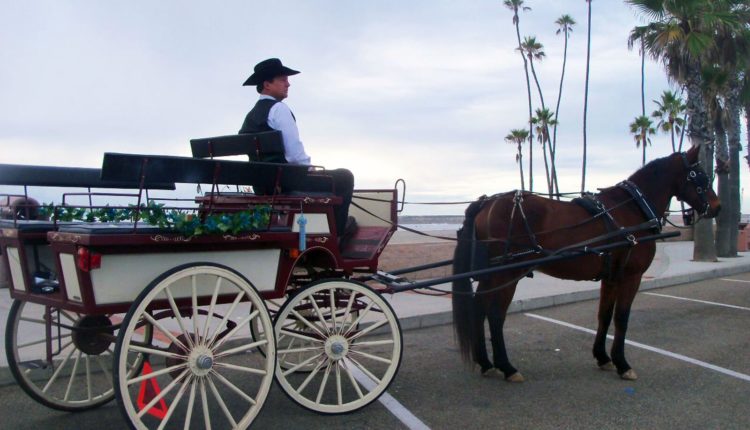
(672, 266)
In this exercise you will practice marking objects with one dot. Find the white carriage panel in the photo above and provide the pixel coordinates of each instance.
(16, 268)
(316, 224)
(380, 206)
(70, 276)
(123, 276)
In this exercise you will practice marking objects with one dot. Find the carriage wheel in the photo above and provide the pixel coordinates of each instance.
(352, 341)
(62, 359)
(204, 368)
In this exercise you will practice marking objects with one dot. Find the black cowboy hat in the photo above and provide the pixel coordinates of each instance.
(266, 70)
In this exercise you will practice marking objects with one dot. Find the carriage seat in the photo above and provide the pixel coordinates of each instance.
(100, 228)
(28, 226)
(267, 146)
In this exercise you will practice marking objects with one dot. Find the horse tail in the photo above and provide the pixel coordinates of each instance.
(463, 299)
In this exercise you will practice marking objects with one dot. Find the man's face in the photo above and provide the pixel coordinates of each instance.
(278, 88)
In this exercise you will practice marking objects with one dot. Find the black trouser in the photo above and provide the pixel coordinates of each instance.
(343, 186)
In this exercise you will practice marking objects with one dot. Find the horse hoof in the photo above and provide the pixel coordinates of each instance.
(515, 378)
(607, 366)
(630, 375)
(492, 372)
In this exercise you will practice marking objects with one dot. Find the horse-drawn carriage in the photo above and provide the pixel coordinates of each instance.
(186, 312)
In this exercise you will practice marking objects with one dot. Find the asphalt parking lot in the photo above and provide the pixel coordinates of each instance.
(691, 355)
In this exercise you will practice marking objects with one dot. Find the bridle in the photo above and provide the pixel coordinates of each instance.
(700, 182)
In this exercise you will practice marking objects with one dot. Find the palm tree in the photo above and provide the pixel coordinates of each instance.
(586, 97)
(515, 6)
(565, 26)
(542, 121)
(681, 34)
(669, 114)
(642, 52)
(518, 137)
(642, 129)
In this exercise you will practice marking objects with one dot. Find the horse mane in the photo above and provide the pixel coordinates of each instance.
(654, 169)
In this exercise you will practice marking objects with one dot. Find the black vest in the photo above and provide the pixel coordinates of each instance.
(257, 119)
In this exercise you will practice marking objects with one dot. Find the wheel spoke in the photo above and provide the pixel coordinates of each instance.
(190, 405)
(368, 329)
(233, 387)
(204, 402)
(301, 365)
(33, 320)
(105, 370)
(294, 350)
(158, 352)
(351, 379)
(348, 311)
(211, 307)
(310, 376)
(323, 383)
(359, 318)
(321, 318)
(308, 323)
(222, 405)
(241, 348)
(364, 370)
(194, 299)
(338, 385)
(372, 357)
(73, 375)
(37, 342)
(88, 378)
(226, 317)
(301, 336)
(57, 371)
(156, 373)
(231, 333)
(163, 393)
(242, 368)
(333, 310)
(374, 343)
(178, 317)
(174, 404)
(166, 332)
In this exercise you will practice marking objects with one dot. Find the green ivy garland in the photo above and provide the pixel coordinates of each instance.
(153, 213)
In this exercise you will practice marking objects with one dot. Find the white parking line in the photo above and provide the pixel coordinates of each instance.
(681, 357)
(699, 301)
(397, 409)
(735, 280)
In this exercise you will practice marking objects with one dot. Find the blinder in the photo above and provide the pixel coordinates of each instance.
(700, 182)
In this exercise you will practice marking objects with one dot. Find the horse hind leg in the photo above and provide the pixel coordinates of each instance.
(606, 309)
(479, 350)
(625, 296)
(496, 312)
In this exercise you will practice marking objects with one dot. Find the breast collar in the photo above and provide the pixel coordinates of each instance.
(642, 203)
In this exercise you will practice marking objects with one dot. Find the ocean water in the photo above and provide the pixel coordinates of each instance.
(434, 227)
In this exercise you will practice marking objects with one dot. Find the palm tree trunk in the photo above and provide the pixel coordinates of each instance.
(531, 113)
(586, 99)
(553, 149)
(643, 78)
(520, 166)
(671, 130)
(733, 136)
(724, 219)
(544, 145)
(704, 248)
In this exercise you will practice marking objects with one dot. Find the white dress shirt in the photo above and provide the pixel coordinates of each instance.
(280, 118)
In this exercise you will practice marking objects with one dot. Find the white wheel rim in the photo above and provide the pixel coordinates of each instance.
(73, 379)
(353, 357)
(217, 378)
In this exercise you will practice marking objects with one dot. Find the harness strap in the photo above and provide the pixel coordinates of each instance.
(642, 203)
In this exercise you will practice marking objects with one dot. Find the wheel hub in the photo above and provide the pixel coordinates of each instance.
(337, 347)
(201, 360)
(93, 334)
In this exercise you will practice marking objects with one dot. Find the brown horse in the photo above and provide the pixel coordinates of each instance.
(518, 226)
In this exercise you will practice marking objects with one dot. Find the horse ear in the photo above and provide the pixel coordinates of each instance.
(692, 155)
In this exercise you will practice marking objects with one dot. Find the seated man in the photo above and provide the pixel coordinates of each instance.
(271, 79)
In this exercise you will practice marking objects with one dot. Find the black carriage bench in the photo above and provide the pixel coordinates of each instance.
(23, 231)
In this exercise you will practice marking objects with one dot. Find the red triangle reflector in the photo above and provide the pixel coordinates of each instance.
(148, 391)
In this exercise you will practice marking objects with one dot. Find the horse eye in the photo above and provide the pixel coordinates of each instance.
(699, 190)
(692, 174)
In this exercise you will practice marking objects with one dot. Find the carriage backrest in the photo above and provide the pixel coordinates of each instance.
(165, 168)
(267, 146)
(53, 176)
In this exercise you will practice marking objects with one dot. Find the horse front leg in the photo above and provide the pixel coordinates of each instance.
(625, 296)
(606, 308)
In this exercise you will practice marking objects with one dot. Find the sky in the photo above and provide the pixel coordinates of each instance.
(423, 90)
